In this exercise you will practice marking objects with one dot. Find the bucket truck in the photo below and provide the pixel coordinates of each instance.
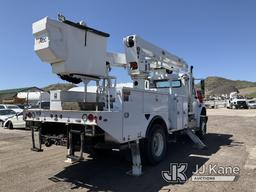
(161, 104)
(236, 101)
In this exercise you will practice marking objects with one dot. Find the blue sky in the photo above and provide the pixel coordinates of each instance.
(218, 37)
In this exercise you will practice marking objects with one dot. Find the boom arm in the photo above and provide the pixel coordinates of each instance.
(149, 57)
(144, 58)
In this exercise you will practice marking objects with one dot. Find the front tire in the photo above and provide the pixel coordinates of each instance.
(203, 129)
(155, 145)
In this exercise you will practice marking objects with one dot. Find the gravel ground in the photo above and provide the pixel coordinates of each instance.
(231, 141)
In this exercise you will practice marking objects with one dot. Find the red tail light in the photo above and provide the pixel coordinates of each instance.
(134, 65)
(29, 115)
(90, 117)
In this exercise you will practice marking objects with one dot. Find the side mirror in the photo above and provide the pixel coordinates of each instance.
(202, 83)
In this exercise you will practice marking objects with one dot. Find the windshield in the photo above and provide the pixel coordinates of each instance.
(12, 107)
(240, 97)
(167, 84)
(7, 112)
(21, 106)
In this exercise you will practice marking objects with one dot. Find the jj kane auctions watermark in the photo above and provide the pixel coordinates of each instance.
(211, 172)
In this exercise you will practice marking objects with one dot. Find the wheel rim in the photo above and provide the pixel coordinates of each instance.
(158, 144)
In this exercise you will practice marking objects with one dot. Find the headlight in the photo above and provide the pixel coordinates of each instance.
(84, 117)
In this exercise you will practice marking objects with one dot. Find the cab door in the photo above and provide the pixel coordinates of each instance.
(178, 112)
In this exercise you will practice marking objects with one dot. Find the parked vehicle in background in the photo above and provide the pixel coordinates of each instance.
(238, 104)
(15, 122)
(5, 114)
(15, 108)
(236, 101)
(251, 104)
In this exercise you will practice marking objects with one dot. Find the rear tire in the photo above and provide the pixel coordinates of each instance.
(10, 125)
(154, 147)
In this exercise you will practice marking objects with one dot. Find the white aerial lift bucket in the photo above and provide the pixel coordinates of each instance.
(70, 48)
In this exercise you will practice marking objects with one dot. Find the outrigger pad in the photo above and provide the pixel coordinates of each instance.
(36, 149)
(73, 159)
(136, 160)
(197, 141)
